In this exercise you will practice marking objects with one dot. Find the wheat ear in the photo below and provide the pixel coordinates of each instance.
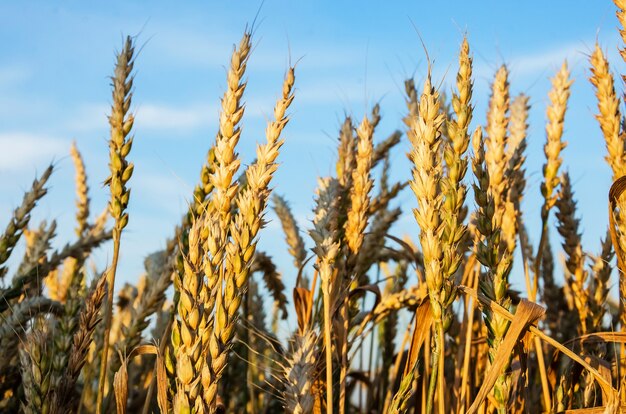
(251, 203)
(121, 122)
(63, 398)
(325, 236)
(568, 227)
(425, 136)
(299, 374)
(294, 240)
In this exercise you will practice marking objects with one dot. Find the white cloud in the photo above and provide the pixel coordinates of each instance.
(158, 116)
(21, 150)
(148, 116)
(545, 61)
(154, 188)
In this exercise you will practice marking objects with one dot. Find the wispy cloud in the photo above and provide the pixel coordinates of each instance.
(13, 74)
(148, 116)
(546, 60)
(22, 150)
(154, 188)
(535, 63)
(159, 116)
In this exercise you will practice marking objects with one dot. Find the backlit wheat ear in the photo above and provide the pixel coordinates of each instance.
(559, 95)
(82, 191)
(518, 130)
(218, 215)
(325, 236)
(72, 277)
(609, 114)
(492, 254)
(251, 203)
(453, 209)
(299, 374)
(609, 118)
(228, 136)
(515, 153)
(191, 361)
(360, 188)
(121, 141)
(621, 17)
(496, 141)
(425, 136)
(346, 160)
(354, 231)
(292, 232)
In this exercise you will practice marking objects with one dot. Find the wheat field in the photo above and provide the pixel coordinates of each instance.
(202, 330)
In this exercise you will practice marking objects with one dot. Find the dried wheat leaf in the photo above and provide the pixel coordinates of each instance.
(617, 189)
(162, 384)
(527, 313)
(120, 385)
(423, 320)
(606, 386)
(303, 302)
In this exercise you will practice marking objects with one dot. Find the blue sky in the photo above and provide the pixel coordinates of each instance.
(56, 56)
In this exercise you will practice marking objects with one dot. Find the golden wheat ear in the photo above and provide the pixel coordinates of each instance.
(121, 122)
